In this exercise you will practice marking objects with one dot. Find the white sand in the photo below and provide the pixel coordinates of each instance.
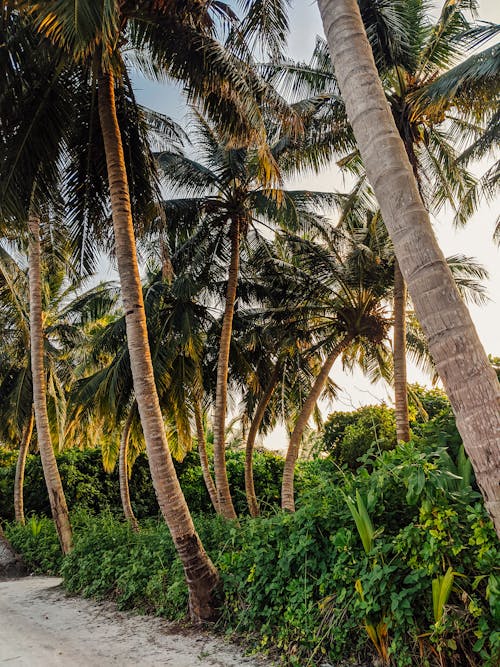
(41, 627)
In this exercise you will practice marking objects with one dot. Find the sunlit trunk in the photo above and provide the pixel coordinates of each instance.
(20, 466)
(292, 454)
(202, 452)
(226, 507)
(49, 464)
(260, 411)
(399, 357)
(123, 472)
(201, 576)
(461, 362)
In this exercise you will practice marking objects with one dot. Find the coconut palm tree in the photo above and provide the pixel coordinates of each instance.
(179, 41)
(229, 198)
(66, 311)
(453, 342)
(412, 56)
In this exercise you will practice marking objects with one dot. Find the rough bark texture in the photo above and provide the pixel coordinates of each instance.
(201, 575)
(226, 507)
(260, 411)
(292, 454)
(49, 464)
(123, 473)
(461, 362)
(399, 357)
(20, 466)
(202, 451)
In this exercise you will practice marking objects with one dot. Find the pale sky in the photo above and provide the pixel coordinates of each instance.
(475, 240)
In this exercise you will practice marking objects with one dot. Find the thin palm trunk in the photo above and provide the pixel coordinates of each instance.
(260, 411)
(20, 466)
(399, 357)
(292, 454)
(201, 576)
(461, 362)
(50, 471)
(202, 451)
(226, 507)
(123, 472)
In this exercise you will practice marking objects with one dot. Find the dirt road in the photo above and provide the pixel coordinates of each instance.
(41, 627)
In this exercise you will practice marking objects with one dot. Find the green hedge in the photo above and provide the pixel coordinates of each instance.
(88, 487)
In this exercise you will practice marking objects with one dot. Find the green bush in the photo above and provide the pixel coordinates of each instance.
(348, 436)
(88, 487)
(303, 585)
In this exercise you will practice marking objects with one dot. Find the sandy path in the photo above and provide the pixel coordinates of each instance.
(41, 627)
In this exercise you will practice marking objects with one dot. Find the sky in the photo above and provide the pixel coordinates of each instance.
(474, 240)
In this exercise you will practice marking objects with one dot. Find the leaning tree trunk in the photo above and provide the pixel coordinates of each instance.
(399, 357)
(226, 507)
(461, 362)
(260, 411)
(50, 471)
(123, 472)
(201, 576)
(292, 454)
(20, 466)
(202, 451)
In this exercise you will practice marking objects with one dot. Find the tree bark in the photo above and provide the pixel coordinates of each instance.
(123, 473)
(292, 454)
(202, 451)
(226, 507)
(201, 576)
(260, 411)
(399, 357)
(50, 471)
(461, 362)
(20, 466)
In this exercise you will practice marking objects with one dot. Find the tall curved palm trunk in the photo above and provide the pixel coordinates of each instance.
(201, 576)
(461, 362)
(50, 471)
(20, 467)
(202, 452)
(399, 357)
(123, 472)
(226, 507)
(260, 411)
(292, 454)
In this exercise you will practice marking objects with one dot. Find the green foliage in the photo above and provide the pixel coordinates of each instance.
(88, 487)
(38, 543)
(349, 435)
(335, 581)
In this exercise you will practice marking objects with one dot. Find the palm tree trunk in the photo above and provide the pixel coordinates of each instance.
(226, 507)
(399, 357)
(461, 362)
(20, 466)
(292, 454)
(123, 472)
(201, 576)
(202, 451)
(50, 471)
(260, 411)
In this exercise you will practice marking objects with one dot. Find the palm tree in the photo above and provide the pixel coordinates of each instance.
(66, 311)
(230, 196)
(180, 40)
(453, 342)
(413, 58)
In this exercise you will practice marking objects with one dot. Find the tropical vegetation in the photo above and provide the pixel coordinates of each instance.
(133, 415)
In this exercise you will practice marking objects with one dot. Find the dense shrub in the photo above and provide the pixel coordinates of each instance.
(349, 435)
(88, 487)
(307, 585)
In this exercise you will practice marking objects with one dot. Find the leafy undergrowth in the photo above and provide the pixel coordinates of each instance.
(398, 562)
